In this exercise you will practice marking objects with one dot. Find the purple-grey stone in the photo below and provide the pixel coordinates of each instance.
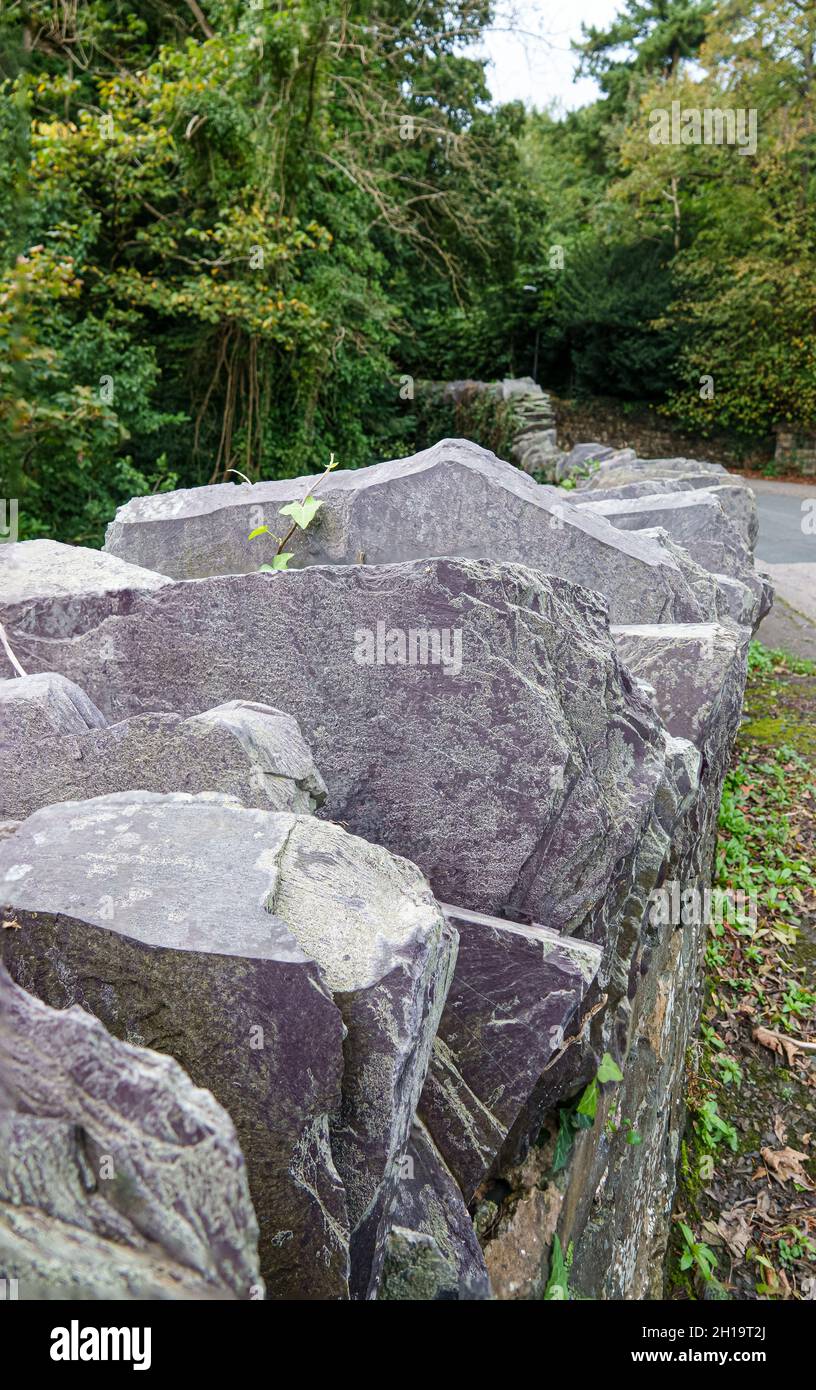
(433, 1251)
(519, 772)
(736, 498)
(519, 993)
(387, 954)
(41, 706)
(455, 499)
(321, 964)
(59, 590)
(696, 521)
(102, 1140)
(249, 751)
(153, 914)
(698, 675)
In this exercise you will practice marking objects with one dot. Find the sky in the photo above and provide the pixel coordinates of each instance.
(534, 64)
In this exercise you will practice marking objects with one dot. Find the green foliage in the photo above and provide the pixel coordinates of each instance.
(557, 1289)
(230, 237)
(696, 1255)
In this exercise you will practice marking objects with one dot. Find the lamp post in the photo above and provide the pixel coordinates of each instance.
(533, 289)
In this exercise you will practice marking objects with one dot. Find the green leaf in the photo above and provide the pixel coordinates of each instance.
(557, 1289)
(588, 1104)
(633, 1137)
(259, 531)
(302, 513)
(563, 1143)
(609, 1069)
(279, 562)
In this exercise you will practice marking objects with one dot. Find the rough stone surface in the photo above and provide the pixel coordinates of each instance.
(698, 675)
(53, 1261)
(475, 713)
(388, 956)
(41, 706)
(415, 1269)
(107, 1145)
(453, 499)
(58, 590)
(249, 751)
(521, 779)
(129, 903)
(518, 995)
(696, 521)
(433, 1250)
(736, 498)
(614, 1199)
(617, 472)
(581, 461)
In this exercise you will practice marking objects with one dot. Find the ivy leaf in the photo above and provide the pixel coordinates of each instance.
(563, 1144)
(259, 531)
(279, 562)
(609, 1069)
(588, 1104)
(302, 513)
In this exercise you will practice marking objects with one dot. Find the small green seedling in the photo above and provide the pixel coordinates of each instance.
(697, 1255)
(302, 514)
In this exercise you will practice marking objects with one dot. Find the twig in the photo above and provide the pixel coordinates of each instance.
(9, 653)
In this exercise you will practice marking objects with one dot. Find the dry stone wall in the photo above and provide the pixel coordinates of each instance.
(369, 850)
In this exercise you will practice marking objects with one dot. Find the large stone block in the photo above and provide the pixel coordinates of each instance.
(118, 1177)
(433, 1251)
(470, 715)
(388, 956)
(736, 498)
(59, 590)
(696, 521)
(519, 994)
(298, 976)
(616, 472)
(47, 754)
(40, 707)
(455, 499)
(697, 673)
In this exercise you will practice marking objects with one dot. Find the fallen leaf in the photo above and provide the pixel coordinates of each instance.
(782, 1046)
(787, 1163)
(779, 1129)
(735, 1230)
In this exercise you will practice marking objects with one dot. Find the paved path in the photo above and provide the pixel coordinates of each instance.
(782, 518)
(786, 550)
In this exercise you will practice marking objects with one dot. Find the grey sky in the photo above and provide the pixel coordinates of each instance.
(535, 63)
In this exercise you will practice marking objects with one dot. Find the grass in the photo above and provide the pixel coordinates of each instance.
(740, 1231)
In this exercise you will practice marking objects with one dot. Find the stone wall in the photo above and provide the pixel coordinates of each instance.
(651, 435)
(796, 452)
(356, 870)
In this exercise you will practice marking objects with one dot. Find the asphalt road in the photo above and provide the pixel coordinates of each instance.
(786, 550)
(783, 511)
